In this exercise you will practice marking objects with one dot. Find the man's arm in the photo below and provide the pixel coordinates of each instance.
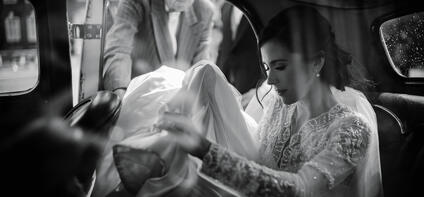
(119, 45)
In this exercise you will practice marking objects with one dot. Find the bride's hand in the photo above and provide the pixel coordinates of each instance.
(185, 133)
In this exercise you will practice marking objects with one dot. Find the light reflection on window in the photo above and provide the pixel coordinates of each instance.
(19, 65)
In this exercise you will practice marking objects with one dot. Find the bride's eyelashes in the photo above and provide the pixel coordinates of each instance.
(280, 68)
(279, 65)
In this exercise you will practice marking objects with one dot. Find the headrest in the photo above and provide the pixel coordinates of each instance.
(407, 107)
(387, 120)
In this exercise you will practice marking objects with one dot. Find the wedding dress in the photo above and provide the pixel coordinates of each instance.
(330, 155)
(334, 154)
(220, 113)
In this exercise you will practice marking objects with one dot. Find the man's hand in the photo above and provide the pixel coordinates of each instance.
(120, 92)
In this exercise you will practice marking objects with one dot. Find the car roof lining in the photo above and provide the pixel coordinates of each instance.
(348, 4)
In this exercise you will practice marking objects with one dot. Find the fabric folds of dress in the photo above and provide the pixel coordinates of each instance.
(217, 109)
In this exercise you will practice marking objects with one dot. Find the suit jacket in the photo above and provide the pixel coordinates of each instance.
(238, 58)
(139, 41)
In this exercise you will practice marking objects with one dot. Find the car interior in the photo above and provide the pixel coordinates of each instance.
(385, 38)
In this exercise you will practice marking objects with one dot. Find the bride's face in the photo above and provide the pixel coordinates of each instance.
(289, 74)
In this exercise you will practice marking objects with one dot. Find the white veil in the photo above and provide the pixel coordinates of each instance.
(369, 173)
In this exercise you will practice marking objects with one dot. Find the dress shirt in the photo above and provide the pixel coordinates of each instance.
(173, 24)
(236, 15)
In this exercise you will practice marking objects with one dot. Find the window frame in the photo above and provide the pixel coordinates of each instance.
(53, 93)
(37, 48)
(375, 28)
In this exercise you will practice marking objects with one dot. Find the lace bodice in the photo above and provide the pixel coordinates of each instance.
(284, 148)
(320, 159)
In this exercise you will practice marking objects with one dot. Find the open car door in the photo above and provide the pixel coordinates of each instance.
(35, 68)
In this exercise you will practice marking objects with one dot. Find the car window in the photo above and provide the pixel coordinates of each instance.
(19, 62)
(403, 39)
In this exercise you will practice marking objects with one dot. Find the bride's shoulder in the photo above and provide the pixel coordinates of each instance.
(348, 118)
(350, 136)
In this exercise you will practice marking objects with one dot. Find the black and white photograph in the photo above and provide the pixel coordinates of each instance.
(211, 98)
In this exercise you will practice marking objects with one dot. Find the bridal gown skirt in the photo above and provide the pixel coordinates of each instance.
(213, 103)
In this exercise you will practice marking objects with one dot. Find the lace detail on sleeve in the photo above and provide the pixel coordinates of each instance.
(248, 177)
(324, 171)
(345, 149)
(346, 145)
(350, 140)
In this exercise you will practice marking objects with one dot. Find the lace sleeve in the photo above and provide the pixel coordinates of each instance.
(346, 146)
(246, 176)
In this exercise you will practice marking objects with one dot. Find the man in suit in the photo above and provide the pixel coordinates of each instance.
(149, 33)
(238, 56)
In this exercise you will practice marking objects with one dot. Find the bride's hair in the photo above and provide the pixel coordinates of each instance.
(304, 30)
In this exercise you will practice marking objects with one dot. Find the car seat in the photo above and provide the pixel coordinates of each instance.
(401, 138)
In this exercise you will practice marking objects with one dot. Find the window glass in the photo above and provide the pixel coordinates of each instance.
(19, 65)
(403, 39)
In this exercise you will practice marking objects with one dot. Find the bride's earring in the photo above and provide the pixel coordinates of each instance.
(319, 63)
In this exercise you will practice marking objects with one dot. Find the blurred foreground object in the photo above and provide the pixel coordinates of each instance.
(44, 159)
(54, 157)
(96, 115)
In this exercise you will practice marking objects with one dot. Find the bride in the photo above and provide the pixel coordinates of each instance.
(310, 140)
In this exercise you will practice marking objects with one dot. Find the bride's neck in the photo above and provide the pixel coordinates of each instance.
(319, 100)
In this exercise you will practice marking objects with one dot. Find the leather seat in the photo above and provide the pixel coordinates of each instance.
(391, 136)
(416, 175)
(401, 138)
(407, 107)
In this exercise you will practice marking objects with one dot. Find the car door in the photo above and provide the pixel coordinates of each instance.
(35, 66)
